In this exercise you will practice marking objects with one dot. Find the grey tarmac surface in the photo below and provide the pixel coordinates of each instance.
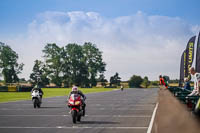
(129, 111)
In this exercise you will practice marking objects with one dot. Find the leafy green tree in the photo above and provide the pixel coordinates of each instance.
(115, 80)
(102, 80)
(155, 83)
(73, 64)
(9, 66)
(135, 81)
(65, 67)
(77, 69)
(111, 80)
(22, 80)
(54, 63)
(146, 82)
(39, 75)
(94, 62)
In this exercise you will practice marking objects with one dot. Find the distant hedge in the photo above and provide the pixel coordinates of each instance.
(18, 88)
(24, 88)
(110, 87)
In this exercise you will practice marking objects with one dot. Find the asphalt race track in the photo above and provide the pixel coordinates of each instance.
(129, 111)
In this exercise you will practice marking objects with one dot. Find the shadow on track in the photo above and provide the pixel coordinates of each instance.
(51, 107)
(98, 122)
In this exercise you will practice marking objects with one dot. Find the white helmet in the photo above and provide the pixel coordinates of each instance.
(74, 88)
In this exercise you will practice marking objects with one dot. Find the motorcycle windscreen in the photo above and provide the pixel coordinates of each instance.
(75, 96)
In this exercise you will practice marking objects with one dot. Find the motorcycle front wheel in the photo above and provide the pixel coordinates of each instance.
(74, 115)
(38, 105)
(79, 117)
(34, 103)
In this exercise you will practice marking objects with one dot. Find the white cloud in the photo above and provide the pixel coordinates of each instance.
(137, 44)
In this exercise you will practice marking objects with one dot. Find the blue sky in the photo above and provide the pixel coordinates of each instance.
(143, 37)
(16, 14)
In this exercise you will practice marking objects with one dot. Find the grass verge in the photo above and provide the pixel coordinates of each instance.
(48, 92)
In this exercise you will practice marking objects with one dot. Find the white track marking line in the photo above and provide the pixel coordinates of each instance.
(74, 127)
(120, 116)
(30, 109)
(33, 115)
(125, 109)
(152, 119)
(90, 105)
(117, 109)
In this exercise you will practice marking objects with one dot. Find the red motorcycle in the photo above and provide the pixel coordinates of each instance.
(76, 108)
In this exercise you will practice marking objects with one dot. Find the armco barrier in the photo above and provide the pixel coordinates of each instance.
(192, 102)
(15, 88)
(24, 88)
(3, 89)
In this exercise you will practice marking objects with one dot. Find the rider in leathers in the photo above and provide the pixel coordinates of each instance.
(76, 91)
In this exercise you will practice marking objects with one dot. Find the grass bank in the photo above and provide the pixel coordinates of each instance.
(48, 92)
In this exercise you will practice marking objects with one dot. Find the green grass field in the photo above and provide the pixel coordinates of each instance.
(48, 92)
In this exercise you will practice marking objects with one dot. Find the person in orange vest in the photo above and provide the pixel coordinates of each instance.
(163, 82)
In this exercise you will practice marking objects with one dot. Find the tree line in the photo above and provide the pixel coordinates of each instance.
(72, 64)
(68, 65)
(9, 66)
(136, 81)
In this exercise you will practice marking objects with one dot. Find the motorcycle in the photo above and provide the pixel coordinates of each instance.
(76, 107)
(122, 88)
(36, 98)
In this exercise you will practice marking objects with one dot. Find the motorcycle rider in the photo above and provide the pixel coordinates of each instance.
(37, 87)
(122, 87)
(76, 91)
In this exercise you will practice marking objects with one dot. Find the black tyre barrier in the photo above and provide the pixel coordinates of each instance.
(192, 102)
